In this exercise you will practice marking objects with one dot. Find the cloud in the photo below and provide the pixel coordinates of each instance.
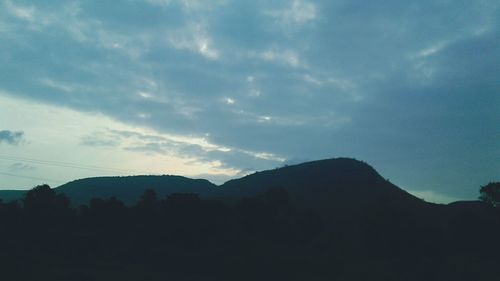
(97, 140)
(196, 39)
(242, 161)
(11, 137)
(296, 79)
(18, 11)
(299, 12)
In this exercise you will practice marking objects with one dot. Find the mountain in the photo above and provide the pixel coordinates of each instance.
(338, 220)
(338, 181)
(11, 195)
(129, 189)
(330, 183)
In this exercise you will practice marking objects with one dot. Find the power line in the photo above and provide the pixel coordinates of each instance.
(27, 177)
(67, 164)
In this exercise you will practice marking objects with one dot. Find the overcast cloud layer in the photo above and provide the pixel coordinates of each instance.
(412, 87)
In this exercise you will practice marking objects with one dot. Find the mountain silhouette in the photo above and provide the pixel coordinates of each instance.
(130, 188)
(337, 182)
(12, 195)
(334, 219)
(324, 182)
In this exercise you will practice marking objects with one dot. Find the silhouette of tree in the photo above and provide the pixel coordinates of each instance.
(148, 207)
(9, 212)
(277, 197)
(110, 207)
(490, 194)
(270, 236)
(43, 200)
(183, 199)
(148, 199)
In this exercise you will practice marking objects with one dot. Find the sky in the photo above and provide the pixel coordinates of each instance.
(219, 89)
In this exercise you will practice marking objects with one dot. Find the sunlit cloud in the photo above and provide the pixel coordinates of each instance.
(92, 138)
(145, 95)
(265, 118)
(194, 38)
(229, 101)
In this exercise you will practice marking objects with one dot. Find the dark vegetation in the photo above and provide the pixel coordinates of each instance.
(326, 220)
(490, 194)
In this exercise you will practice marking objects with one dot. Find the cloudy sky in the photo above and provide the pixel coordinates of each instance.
(221, 88)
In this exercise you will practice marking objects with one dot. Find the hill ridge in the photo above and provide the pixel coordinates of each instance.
(325, 181)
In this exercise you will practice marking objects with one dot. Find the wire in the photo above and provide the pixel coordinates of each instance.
(66, 164)
(27, 177)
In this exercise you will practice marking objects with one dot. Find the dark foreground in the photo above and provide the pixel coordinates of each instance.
(264, 237)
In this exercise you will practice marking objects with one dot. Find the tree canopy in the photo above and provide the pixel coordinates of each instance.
(490, 194)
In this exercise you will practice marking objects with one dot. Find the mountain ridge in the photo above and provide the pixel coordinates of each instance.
(327, 181)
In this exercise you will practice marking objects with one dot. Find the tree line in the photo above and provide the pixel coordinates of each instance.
(264, 237)
(181, 234)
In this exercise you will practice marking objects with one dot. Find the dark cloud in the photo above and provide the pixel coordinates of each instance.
(11, 137)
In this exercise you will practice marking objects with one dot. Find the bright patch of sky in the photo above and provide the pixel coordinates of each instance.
(60, 145)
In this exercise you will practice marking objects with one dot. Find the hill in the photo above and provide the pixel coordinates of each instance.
(334, 219)
(331, 183)
(129, 189)
(340, 182)
(11, 195)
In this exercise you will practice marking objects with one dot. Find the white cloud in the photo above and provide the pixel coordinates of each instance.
(431, 50)
(145, 95)
(229, 101)
(264, 118)
(269, 156)
(299, 12)
(285, 57)
(60, 86)
(22, 12)
(195, 38)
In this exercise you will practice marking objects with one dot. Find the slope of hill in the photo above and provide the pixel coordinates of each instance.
(11, 195)
(337, 181)
(332, 183)
(129, 189)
